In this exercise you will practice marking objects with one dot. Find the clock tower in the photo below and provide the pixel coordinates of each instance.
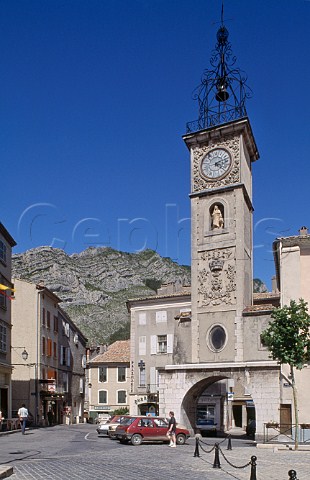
(222, 149)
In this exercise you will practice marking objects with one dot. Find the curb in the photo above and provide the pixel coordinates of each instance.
(5, 471)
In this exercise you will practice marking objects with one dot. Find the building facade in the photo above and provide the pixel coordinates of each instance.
(292, 265)
(160, 334)
(50, 381)
(108, 377)
(6, 291)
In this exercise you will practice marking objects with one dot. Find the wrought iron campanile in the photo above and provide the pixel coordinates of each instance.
(223, 91)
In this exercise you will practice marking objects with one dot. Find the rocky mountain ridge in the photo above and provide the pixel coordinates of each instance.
(95, 284)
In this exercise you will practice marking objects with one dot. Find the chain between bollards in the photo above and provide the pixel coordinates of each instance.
(216, 463)
(292, 475)
(253, 468)
(229, 447)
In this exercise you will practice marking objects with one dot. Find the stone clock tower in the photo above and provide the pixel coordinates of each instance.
(222, 149)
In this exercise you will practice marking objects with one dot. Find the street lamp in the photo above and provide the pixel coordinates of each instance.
(24, 353)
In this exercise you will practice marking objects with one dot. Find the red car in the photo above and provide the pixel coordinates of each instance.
(147, 429)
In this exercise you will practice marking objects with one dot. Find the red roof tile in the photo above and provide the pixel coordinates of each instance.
(118, 352)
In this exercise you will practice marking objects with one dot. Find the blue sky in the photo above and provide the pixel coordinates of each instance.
(94, 98)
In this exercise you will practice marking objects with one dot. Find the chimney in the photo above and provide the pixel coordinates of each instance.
(274, 287)
(303, 231)
(103, 348)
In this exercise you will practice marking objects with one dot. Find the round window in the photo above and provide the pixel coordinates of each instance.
(217, 337)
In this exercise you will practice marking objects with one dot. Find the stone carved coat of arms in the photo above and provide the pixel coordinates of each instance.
(217, 278)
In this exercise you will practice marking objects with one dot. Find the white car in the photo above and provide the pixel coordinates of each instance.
(103, 428)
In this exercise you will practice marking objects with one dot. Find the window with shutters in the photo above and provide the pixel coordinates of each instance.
(48, 319)
(142, 377)
(121, 396)
(121, 374)
(43, 317)
(161, 316)
(55, 350)
(162, 344)
(102, 396)
(43, 346)
(3, 302)
(2, 251)
(102, 374)
(55, 324)
(3, 338)
(49, 352)
(142, 318)
(65, 356)
(142, 345)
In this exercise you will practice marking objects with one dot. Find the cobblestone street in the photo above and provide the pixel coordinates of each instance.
(76, 452)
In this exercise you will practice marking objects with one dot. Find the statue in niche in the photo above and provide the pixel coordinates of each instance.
(217, 219)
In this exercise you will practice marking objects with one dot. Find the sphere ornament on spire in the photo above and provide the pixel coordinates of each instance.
(223, 90)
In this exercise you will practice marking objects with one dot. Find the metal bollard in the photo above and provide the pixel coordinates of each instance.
(292, 475)
(253, 468)
(216, 463)
(196, 453)
(229, 447)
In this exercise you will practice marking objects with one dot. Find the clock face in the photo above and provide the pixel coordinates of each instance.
(216, 164)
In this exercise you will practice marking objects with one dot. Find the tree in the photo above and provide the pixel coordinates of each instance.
(288, 339)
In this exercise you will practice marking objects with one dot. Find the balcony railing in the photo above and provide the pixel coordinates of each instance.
(285, 433)
(216, 118)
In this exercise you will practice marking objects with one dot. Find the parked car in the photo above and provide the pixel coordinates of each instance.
(104, 428)
(102, 418)
(112, 426)
(144, 429)
(206, 427)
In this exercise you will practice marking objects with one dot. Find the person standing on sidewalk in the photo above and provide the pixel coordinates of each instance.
(171, 430)
(23, 415)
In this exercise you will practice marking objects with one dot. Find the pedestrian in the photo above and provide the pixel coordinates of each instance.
(1, 420)
(23, 415)
(172, 425)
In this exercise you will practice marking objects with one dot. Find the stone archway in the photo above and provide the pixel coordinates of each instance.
(180, 387)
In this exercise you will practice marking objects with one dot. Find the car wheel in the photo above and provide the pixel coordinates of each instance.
(136, 439)
(181, 439)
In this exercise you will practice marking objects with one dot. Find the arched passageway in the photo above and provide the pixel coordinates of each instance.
(217, 404)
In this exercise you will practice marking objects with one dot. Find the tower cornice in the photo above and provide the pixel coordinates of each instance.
(219, 132)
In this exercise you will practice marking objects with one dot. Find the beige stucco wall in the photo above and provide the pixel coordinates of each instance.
(112, 386)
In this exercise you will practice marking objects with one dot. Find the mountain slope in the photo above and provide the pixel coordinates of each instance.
(95, 284)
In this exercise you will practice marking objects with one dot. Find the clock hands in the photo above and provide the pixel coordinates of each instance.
(220, 164)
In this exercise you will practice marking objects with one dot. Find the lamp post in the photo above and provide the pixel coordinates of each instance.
(24, 353)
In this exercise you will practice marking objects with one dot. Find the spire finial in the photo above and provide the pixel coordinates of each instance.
(223, 91)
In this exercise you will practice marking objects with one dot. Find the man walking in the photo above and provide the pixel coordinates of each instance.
(23, 415)
(171, 430)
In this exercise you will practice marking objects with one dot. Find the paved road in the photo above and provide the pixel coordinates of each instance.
(76, 452)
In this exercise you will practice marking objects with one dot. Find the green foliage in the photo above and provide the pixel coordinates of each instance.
(153, 284)
(287, 336)
(120, 411)
(122, 333)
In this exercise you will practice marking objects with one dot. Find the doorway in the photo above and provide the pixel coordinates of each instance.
(237, 415)
(286, 418)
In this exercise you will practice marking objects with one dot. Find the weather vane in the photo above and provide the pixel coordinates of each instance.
(223, 91)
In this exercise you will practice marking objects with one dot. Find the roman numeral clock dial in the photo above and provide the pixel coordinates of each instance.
(216, 164)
